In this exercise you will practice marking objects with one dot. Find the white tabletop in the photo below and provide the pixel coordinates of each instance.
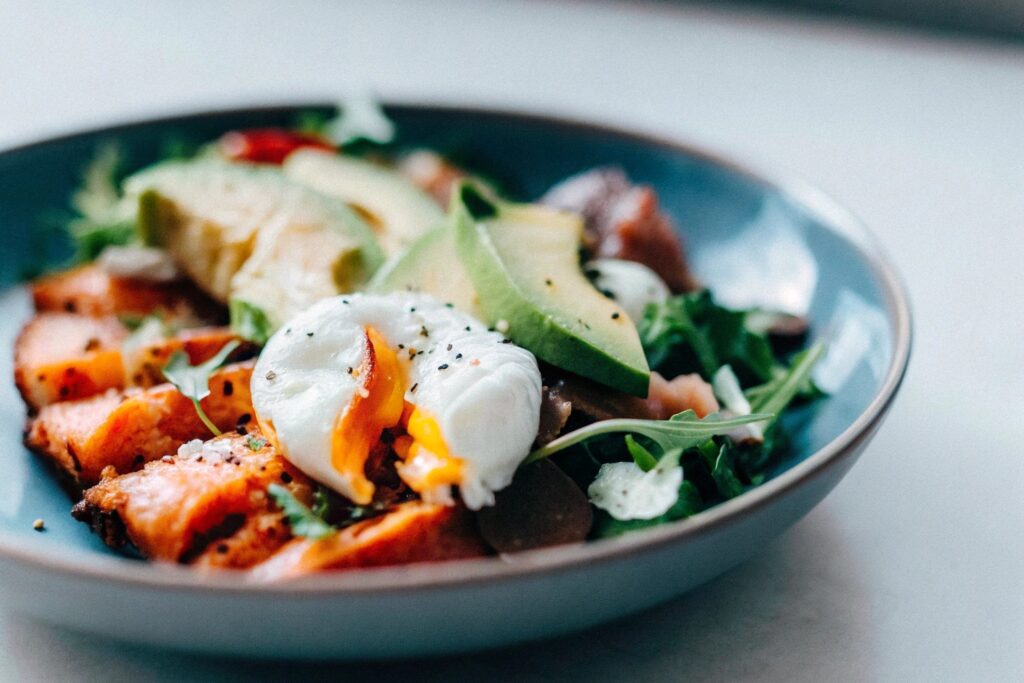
(913, 569)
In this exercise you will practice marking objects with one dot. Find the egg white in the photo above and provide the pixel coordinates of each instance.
(483, 392)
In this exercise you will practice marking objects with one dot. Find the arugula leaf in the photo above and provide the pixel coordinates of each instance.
(775, 395)
(681, 431)
(194, 380)
(303, 521)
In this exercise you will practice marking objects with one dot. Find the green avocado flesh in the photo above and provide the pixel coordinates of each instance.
(250, 236)
(399, 211)
(523, 261)
(430, 265)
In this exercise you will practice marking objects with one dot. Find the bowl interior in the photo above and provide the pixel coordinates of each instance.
(750, 241)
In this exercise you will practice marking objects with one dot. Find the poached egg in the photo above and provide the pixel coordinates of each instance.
(462, 403)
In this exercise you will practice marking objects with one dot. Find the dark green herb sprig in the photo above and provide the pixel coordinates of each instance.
(329, 512)
(303, 521)
(194, 380)
(691, 333)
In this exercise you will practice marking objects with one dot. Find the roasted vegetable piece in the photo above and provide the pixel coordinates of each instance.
(90, 290)
(124, 430)
(412, 532)
(178, 507)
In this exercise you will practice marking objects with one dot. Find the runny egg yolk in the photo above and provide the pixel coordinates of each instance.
(380, 404)
(377, 406)
(427, 463)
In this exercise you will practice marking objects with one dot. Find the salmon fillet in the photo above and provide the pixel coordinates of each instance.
(66, 356)
(262, 534)
(411, 532)
(144, 366)
(63, 357)
(90, 290)
(177, 508)
(126, 429)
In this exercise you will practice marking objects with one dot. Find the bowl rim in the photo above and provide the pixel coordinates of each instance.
(93, 566)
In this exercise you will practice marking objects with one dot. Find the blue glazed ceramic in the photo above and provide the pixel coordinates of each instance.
(753, 240)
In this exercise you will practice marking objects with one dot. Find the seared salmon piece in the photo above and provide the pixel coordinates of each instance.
(126, 429)
(411, 532)
(178, 507)
(685, 392)
(66, 357)
(63, 357)
(144, 365)
(259, 537)
(90, 290)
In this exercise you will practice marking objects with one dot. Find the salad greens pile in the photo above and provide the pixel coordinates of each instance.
(690, 333)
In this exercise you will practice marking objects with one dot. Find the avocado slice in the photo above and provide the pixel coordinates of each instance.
(430, 265)
(524, 263)
(399, 212)
(250, 236)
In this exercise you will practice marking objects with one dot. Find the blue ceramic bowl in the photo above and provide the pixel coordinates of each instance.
(751, 238)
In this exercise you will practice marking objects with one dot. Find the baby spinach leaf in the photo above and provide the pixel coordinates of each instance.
(724, 474)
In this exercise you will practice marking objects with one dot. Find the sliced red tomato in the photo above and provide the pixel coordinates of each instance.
(268, 145)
